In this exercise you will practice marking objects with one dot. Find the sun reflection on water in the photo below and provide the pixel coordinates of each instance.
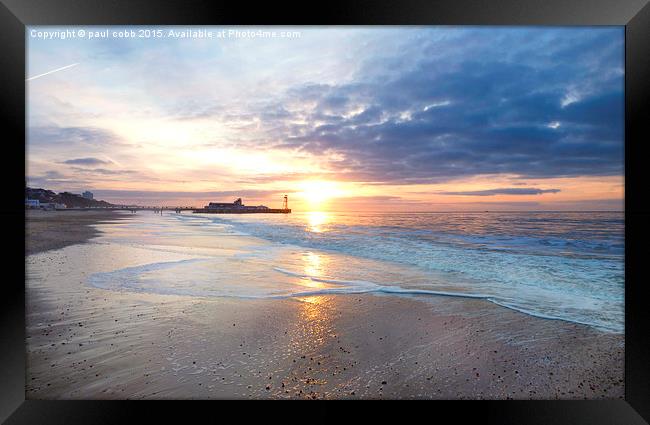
(315, 316)
(313, 266)
(316, 221)
(316, 320)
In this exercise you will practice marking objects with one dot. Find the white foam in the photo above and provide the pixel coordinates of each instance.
(505, 270)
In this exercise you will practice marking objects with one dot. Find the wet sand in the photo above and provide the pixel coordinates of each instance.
(45, 230)
(89, 343)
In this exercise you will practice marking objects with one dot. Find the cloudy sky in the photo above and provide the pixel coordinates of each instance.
(404, 118)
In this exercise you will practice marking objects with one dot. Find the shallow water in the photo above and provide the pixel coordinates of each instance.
(567, 266)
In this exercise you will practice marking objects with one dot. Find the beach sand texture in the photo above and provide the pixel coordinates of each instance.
(46, 230)
(85, 342)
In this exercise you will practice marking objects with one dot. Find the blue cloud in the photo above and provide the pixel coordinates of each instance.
(70, 135)
(86, 161)
(479, 110)
(407, 105)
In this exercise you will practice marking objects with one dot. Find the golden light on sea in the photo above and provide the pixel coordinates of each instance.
(316, 221)
(312, 264)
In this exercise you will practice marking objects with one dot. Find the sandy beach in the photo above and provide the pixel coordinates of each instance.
(85, 342)
(46, 230)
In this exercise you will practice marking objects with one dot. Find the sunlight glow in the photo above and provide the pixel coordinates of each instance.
(314, 266)
(318, 192)
(316, 220)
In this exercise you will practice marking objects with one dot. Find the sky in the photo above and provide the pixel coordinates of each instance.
(337, 118)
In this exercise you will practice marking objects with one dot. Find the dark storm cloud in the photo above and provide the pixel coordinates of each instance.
(86, 161)
(539, 103)
(504, 191)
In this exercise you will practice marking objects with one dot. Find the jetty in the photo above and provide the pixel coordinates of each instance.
(238, 207)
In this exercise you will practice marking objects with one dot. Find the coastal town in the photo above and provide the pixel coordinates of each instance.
(43, 199)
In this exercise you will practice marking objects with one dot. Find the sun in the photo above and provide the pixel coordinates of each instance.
(319, 192)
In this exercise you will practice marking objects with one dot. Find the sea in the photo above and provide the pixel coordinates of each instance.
(554, 265)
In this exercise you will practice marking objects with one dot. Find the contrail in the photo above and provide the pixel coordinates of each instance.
(49, 72)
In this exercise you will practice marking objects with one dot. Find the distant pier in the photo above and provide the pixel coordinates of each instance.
(236, 207)
(241, 211)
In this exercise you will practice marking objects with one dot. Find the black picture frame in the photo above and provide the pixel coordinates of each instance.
(633, 14)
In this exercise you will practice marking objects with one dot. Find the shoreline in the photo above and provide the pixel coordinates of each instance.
(86, 342)
(47, 230)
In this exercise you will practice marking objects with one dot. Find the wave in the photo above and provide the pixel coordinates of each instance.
(535, 269)
(601, 240)
(395, 289)
(134, 279)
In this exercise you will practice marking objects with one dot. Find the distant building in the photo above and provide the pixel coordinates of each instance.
(32, 203)
(237, 206)
(87, 195)
(52, 206)
(216, 205)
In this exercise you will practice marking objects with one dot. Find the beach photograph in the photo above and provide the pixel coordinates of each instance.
(403, 212)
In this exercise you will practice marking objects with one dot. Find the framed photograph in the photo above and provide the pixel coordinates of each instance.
(434, 201)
